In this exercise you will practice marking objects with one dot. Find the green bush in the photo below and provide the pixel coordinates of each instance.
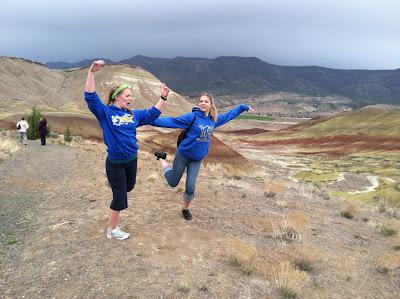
(33, 122)
(67, 135)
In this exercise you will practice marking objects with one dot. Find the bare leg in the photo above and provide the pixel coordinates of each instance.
(113, 219)
(185, 204)
(164, 163)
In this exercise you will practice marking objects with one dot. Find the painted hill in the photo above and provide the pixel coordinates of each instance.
(24, 84)
(368, 129)
(244, 77)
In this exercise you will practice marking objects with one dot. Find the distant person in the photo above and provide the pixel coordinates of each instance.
(119, 125)
(22, 127)
(42, 130)
(199, 126)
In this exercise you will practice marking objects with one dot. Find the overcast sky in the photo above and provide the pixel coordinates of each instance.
(348, 34)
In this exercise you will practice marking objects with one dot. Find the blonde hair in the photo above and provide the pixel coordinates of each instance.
(213, 109)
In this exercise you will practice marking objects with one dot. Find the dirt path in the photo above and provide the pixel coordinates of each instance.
(54, 203)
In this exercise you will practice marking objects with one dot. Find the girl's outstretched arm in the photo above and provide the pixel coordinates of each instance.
(232, 114)
(180, 122)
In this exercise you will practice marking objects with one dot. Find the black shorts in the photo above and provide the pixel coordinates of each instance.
(122, 178)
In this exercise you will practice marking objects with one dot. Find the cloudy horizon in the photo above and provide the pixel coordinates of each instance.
(334, 34)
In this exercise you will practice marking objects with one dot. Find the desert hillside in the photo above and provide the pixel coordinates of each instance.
(24, 84)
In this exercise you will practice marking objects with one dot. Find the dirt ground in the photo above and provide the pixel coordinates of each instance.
(249, 230)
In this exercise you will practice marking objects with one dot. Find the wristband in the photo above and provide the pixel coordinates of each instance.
(162, 97)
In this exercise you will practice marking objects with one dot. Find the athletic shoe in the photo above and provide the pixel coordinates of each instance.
(160, 155)
(186, 214)
(117, 233)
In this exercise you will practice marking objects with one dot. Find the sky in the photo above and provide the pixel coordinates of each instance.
(344, 34)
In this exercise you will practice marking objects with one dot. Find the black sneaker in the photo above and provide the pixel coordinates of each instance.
(186, 214)
(160, 155)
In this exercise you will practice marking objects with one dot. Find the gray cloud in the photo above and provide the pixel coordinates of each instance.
(339, 34)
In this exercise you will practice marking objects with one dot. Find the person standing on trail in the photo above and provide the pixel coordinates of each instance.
(119, 125)
(193, 143)
(42, 130)
(22, 127)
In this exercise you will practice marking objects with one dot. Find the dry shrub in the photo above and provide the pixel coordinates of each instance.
(234, 171)
(290, 227)
(274, 187)
(306, 258)
(289, 280)
(241, 255)
(7, 148)
(348, 210)
(241, 249)
(389, 262)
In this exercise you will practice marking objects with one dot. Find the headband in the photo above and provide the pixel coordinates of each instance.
(119, 89)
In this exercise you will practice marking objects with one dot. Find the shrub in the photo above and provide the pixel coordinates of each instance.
(67, 135)
(33, 122)
(347, 214)
(388, 231)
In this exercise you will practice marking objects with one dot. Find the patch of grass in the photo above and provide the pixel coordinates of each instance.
(383, 270)
(236, 262)
(316, 176)
(387, 231)
(303, 264)
(287, 293)
(256, 117)
(269, 194)
(182, 289)
(290, 281)
(347, 214)
(396, 247)
(12, 240)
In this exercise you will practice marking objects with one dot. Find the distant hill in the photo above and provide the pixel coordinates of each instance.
(372, 121)
(250, 77)
(79, 64)
(24, 84)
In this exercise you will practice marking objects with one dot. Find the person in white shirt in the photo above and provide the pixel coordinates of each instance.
(22, 127)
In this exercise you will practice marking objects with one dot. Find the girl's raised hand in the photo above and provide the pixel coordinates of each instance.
(96, 65)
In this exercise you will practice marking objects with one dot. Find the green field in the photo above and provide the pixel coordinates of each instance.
(256, 117)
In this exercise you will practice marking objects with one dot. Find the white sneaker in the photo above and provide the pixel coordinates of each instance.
(117, 233)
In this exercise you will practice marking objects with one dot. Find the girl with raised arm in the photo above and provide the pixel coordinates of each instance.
(119, 125)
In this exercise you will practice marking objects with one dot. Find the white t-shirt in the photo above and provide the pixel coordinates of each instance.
(24, 126)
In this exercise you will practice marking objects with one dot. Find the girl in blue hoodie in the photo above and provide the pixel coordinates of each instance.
(119, 125)
(199, 126)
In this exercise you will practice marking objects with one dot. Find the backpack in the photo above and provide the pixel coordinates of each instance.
(182, 135)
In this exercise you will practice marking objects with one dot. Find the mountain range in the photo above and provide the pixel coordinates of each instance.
(249, 77)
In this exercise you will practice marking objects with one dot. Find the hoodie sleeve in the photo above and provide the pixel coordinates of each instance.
(147, 117)
(95, 105)
(228, 116)
(182, 122)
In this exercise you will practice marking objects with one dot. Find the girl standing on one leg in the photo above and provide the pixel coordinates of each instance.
(119, 125)
(199, 125)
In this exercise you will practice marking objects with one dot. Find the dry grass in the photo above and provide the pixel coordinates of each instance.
(241, 255)
(388, 262)
(273, 187)
(289, 280)
(289, 228)
(7, 148)
(348, 210)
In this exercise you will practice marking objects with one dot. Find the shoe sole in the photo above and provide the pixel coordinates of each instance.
(111, 237)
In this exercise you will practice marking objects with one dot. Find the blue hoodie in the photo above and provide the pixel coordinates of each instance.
(119, 126)
(195, 145)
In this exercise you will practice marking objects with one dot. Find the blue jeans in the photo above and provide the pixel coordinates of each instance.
(174, 174)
